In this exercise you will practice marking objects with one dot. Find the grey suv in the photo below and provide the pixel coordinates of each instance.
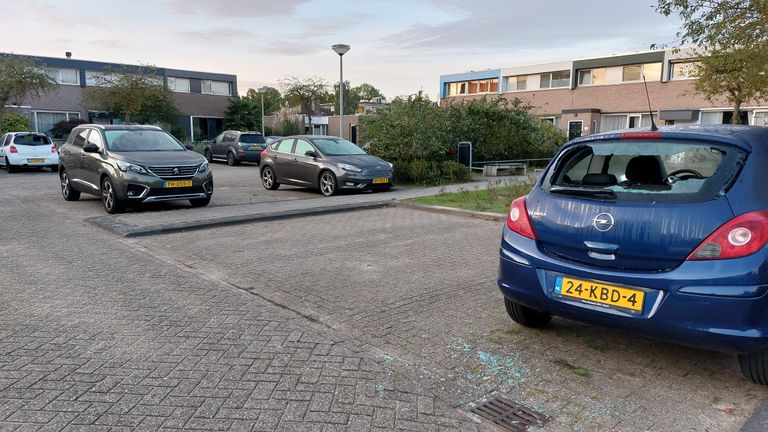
(132, 164)
(235, 147)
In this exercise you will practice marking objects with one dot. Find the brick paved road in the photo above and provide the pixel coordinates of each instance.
(100, 334)
(383, 319)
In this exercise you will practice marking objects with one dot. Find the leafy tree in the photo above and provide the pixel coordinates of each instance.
(243, 113)
(272, 99)
(727, 75)
(353, 96)
(134, 95)
(367, 91)
(732, 40)
(306, 93)
(21, 77)
(13, 122)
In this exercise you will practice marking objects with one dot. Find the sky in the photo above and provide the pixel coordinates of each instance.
(400, 47)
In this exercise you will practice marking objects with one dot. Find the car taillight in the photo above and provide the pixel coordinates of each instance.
(263, 153)
(53, 149)
(12, 149)
(518, 221)
(739, 237)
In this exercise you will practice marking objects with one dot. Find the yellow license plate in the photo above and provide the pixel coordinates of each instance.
(626, 299)
(177, 183)
(35, 160)
(380, 180)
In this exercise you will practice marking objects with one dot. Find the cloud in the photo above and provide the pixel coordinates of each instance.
(509, 26)
(236, 8)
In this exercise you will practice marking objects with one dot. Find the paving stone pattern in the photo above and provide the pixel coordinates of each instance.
(97, 333)
(418, 290)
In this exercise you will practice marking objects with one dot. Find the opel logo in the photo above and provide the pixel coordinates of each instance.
(603, 222)
(176, 171)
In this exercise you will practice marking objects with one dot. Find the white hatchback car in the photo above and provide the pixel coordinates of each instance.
(28, 149)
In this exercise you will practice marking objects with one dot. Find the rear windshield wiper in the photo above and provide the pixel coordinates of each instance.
(584, 192)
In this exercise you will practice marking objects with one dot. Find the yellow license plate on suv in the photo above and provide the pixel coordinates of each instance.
(35, 160)
(626, 299)
(380, 180)
(177, 183)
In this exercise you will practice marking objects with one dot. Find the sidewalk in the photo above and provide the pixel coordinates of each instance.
(148, 223)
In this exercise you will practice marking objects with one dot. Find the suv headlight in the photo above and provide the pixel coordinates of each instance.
(203, 167)
(127, 166)
(350, 168)
(391, 165)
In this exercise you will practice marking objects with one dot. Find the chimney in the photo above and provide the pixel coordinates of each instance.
(68, 54)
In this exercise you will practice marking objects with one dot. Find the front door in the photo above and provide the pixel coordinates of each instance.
(91, 162)
(574, 129)
(303, 168)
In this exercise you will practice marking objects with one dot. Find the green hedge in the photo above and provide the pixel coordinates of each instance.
(430, 172)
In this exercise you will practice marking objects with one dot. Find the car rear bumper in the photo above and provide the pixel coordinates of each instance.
(49, 159)
(249, 156)
(714, 305)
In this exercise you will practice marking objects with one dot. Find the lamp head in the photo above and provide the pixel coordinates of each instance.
(340, 49)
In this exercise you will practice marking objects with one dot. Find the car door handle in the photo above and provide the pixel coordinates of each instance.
(607, 248)
(295, 160)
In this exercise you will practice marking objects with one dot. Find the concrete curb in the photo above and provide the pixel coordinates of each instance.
(454, 211)
(111, 223)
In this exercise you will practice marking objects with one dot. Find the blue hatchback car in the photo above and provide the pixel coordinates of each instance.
(659, 232)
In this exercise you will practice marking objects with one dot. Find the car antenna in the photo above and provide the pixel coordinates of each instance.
(650, 110)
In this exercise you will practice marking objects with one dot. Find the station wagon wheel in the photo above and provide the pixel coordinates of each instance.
(268, 178)
(112, 204)
(231, 161)
(208, 155)
(327, 183)
(526, 316)
(67, 192)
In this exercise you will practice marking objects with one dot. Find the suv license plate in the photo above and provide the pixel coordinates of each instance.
(625, 299)
(35, 160)
(380, 180)
(177, 183)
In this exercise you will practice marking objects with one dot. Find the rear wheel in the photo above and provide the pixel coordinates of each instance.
(231, 161)
(268, 178)
(327, 183)
(755, 367)
(67, 192)
(526, 316)
(112, 204)
(11, 168)
(208, 155)
(200, 202)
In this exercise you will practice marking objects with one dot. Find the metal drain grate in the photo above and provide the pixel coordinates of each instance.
(507, 414)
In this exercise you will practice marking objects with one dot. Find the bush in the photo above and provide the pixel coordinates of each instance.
(13, 122)
(427, 172)
(64, 127)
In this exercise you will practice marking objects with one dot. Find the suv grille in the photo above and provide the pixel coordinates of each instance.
(170, 171)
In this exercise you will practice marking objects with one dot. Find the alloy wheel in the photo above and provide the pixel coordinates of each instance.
(108, 195)
(327, 184)
(65, 185)
(267, 178)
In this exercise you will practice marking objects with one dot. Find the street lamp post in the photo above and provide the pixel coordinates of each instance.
(262, 90)
(341, 49)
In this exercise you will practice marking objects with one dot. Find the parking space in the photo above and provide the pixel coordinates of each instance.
(384, 318)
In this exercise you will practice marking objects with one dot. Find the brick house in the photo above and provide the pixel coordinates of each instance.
(201, 97)
(605, 93)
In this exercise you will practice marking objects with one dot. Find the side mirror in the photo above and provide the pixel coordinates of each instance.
(91, 148)
(189, 146)
(310, 153)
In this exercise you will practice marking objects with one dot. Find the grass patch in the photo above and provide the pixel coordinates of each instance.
(594, 344)
(495, 199)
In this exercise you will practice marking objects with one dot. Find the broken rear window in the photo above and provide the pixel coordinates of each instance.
(660, 171)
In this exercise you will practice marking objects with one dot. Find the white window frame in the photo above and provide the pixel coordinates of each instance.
(174, 87)
(211, 86)
(68, 114)
(55, 74)
(672, 65)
